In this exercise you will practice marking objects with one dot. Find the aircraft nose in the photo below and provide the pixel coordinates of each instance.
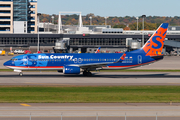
(7, 63)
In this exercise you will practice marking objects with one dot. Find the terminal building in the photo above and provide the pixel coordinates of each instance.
(18, 30)
(82, 42)
(18, 16)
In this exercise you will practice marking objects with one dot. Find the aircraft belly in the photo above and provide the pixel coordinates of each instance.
(18, 68)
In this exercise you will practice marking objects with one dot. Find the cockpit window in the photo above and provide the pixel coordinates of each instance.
(14, 59)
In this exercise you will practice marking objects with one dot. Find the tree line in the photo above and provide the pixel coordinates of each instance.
(127, 22)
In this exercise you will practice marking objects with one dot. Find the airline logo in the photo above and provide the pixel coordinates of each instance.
(155, 45)
(55, 57)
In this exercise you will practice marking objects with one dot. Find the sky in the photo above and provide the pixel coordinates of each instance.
(119, 8)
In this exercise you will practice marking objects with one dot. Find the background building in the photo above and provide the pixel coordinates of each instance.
(18, 16)
(32, 17)
(6, 16)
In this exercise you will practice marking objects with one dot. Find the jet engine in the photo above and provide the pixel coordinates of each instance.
(71, 70)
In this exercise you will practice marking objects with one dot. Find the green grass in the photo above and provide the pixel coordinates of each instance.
(132, 94)
(6, 70)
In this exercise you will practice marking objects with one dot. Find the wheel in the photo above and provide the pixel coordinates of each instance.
(87, 73)
(21, 74)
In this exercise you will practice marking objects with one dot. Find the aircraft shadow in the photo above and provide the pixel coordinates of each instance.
(95, 75)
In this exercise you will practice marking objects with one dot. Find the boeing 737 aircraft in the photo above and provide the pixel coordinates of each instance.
(72, 63)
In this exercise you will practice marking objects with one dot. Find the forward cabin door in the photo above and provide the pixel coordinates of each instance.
(25, 62)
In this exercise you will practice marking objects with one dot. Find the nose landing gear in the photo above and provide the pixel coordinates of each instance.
(20, 74)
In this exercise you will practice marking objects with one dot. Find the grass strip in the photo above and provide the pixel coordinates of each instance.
(59, 94)
(6, 70)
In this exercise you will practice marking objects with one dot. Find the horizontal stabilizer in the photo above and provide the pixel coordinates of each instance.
(157, 57)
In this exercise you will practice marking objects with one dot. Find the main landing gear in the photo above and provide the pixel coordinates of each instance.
(87, 73)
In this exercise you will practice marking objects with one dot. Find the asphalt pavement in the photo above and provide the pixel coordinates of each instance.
(97, 79)
(89, 111)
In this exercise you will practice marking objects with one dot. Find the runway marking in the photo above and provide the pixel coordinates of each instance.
(26, 105)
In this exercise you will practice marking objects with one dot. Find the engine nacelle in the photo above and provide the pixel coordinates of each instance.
(71, 70)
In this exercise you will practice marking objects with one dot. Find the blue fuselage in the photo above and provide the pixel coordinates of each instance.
(83, 60)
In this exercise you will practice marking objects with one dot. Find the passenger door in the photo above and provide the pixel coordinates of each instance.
(25, 60)
(139, 59)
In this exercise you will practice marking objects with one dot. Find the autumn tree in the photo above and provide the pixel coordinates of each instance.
(116, 22)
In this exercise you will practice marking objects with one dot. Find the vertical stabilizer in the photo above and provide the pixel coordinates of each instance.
(154, 45)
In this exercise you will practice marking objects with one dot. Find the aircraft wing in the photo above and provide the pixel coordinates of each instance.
(91, 66)
(99, 64)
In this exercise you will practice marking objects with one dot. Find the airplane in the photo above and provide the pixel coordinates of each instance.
(74, 63)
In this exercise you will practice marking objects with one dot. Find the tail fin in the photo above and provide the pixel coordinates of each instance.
(98, 50)
(154, 45)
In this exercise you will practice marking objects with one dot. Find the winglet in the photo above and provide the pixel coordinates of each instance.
(98, 50)
(122, 57)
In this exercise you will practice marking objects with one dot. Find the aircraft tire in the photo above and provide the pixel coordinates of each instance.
(85, 73)
(20, 74)
(89, 74)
